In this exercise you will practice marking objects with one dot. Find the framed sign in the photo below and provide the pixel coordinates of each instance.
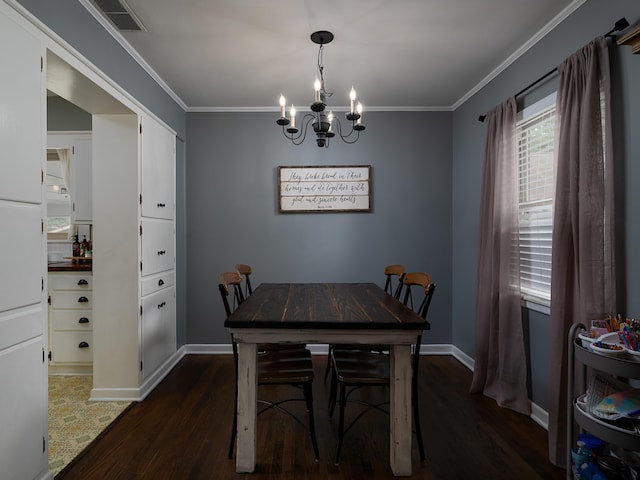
(325, 189)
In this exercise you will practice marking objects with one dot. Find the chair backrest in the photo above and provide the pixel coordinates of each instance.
(425, 284)
(394, 272)
(244, 269)
(228, 281)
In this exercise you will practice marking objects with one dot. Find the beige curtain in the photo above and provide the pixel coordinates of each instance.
(583, 265)
(500, 364)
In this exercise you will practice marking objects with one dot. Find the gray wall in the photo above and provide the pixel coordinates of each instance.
(64, 116)
(593, 18)
(233, 210)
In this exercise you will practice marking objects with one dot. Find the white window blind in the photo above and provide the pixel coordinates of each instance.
(536, 173)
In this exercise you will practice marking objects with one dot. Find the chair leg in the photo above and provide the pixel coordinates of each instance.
(328, 366)
(308, 398)
(332, 393)
(343, 401)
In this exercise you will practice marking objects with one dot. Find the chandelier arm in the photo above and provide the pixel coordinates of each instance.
(299, 138)
(344, 137)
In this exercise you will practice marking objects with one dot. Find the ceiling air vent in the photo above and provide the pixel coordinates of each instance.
(120, 15)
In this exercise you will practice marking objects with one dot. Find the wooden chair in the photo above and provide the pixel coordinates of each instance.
(245, 270)
(291, 367)
(394, 274)
(355, 369)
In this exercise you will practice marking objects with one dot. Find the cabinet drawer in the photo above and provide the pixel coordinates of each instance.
(157, 246)
(153, 283)
(67, 347)
(83, 300)
(80, 320)
(66, 281)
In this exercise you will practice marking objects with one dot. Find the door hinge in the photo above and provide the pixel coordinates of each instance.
(44, 445)
(140, 230)
(41, 177)
(43, 355)
(41, 226)
(141, 310)
(141, 129)
(50, 356)
(73, 149)
(140, 365)
(140, 266)
(41, 64)
(140, 199)
(42, 284)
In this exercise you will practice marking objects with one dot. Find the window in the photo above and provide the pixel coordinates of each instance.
(58, 200)
(536, 173)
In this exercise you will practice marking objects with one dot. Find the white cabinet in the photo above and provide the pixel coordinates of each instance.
(79, 146)
(23, 370)
(134, 292)
(157, 245)
(70, 322)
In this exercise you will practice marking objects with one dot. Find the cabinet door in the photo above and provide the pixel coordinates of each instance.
(23, 409)
(81, 181)
(21, 125)
(158, 170)
(158, 329)
(23, 401)
(157, 246)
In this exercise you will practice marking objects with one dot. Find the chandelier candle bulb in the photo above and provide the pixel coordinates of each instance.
(352, 98)
(292, 113)
(316, 87)
(283, 102)
(359, 111)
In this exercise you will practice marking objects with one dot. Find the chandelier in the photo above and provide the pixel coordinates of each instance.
(325, 125)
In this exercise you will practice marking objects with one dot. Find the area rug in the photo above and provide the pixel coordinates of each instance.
(74, 421)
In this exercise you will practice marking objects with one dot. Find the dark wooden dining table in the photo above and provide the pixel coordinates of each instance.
(331, 313)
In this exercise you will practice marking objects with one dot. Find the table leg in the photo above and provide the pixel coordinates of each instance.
(400, 414)
(247, 408)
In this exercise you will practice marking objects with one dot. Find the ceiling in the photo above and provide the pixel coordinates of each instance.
(407, 54)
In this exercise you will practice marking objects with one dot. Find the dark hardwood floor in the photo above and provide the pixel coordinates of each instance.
(181, 431)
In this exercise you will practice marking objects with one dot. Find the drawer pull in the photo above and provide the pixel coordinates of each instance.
(161, 252)
(83, 345)
(83, 300)
(160, 205)
(160, 282)
(83, 320)
(160, 305)
(82, 281)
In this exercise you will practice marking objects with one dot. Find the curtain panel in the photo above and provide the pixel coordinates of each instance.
(500, 370)
(583, 265)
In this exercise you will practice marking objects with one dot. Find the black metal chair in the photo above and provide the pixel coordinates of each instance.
(395, 274)
(291, 367)
(355, 369)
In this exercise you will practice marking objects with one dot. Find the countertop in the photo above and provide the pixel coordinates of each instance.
(69, 266)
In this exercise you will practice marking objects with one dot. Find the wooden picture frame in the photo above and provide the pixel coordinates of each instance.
(324, 189)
